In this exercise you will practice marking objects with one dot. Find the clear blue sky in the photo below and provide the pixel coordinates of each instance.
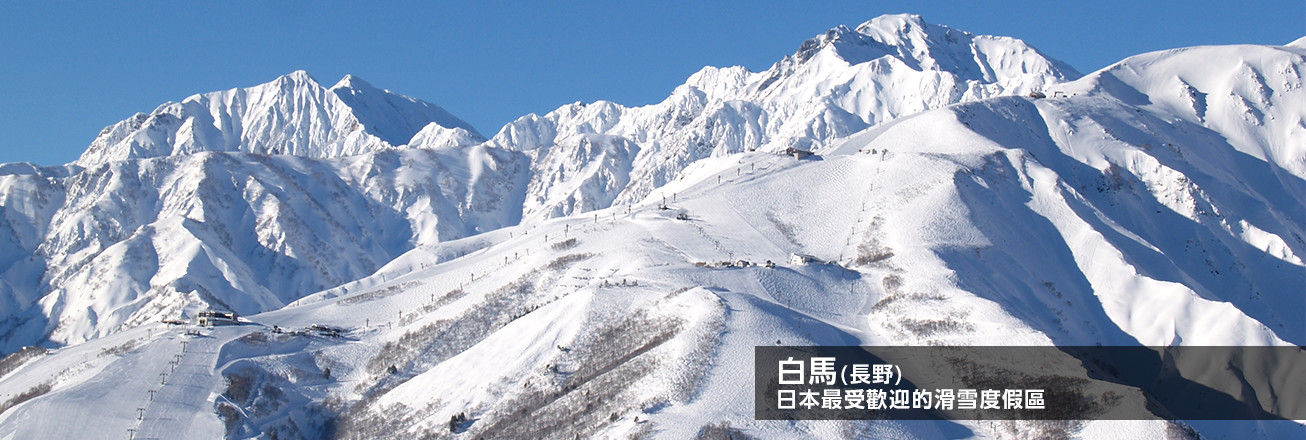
(68, 69)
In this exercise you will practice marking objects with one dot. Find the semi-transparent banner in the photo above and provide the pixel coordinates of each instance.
(1032, 383)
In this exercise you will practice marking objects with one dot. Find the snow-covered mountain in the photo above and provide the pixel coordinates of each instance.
(292, 115)
(251, 232)
(143, 240)
(245, 200)
(532, 282)
(836, 84)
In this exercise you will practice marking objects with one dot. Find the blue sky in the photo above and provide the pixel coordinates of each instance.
(69, 69)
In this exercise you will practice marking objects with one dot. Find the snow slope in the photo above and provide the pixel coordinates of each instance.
(531, 285)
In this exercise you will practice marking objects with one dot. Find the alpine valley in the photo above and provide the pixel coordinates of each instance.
(599, 271)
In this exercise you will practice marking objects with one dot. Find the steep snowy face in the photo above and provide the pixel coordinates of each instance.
(142, 240)
(293, 115)
(1252, 95)
(395, 118)
(579, 174)
(29, 198)
(836, 84)
(1170, 186)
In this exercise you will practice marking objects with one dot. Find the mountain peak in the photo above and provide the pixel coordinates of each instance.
(923, 46)
(835, 37)
(293, 114)
(904, 36)
(887, 28)
(297, 77)
(352, 82)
